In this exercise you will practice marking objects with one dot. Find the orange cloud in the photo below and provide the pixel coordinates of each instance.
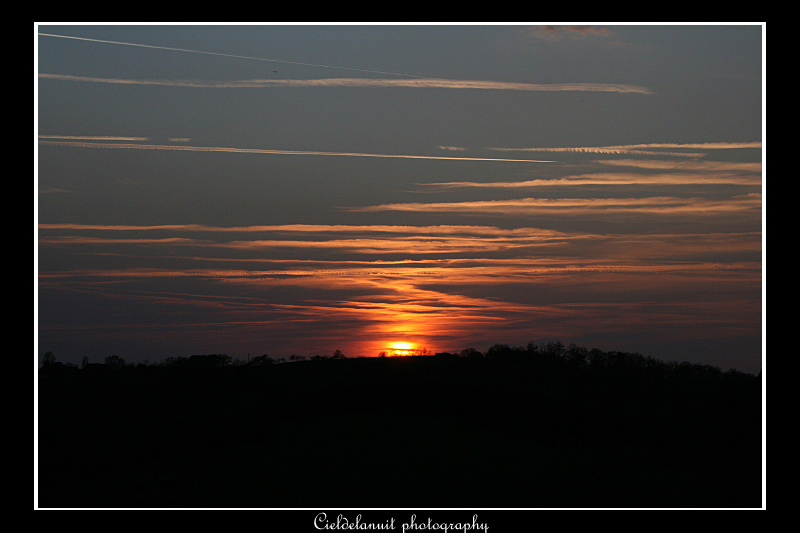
(644, 149)
(703, 166)
(446, 246)
(659, 205)
(477, 281)
(627, 178)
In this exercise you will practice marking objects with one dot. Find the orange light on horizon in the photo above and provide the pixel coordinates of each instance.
(400, 349)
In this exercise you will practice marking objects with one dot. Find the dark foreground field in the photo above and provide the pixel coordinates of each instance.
(411, 432)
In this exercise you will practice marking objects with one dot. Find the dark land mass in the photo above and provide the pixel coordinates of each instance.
(534, 427)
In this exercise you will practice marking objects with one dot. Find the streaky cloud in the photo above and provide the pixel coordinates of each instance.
(556, 32)
(315, 228)
(643, 149)
(92, 138)
(681, 178)
(292, 232)
(369, 239)
(702, 166)
(54, 190)
(703, 146)
(419, 83)
(532, 206)
(99, 240)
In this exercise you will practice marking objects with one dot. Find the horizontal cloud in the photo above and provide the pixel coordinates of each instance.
(98, 240)
(522, 248)
(556, 33)
(703, 146)
(417, 83)
(533, 206)
(313, 228)
(642, 149)
(615, 179)
(247, 282)
(703, 166)
(404, 240)
(91, 138)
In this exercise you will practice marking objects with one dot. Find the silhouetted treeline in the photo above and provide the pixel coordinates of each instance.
(552, 354)
(543, 425)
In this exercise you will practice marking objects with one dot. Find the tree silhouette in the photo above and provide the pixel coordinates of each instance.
(48, 359)
(115, 362)
(210, 361)
(470, 353)
(261, 360)
(612, 429)
(577, 355)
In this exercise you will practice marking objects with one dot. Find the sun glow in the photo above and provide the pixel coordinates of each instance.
(399, 349)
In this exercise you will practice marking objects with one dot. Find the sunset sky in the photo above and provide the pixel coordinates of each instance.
(294, 190)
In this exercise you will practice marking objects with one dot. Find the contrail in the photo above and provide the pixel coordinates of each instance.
(266, 151)
(225, 55)
(424, 81)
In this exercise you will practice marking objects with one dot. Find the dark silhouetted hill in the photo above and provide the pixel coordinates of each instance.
(530, 427)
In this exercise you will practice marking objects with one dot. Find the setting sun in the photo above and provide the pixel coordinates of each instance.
(404, 349)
